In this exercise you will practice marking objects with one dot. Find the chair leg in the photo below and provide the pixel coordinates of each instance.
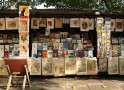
(9, 82)
(24, 83)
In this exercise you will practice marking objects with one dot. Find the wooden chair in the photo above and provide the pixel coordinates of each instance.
(17, 65)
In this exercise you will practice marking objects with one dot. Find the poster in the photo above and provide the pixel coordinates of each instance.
(112, 65)
(47, 67)
(66, 20)
(84, 24)
(23, 26)
(2, 23)
(50, 23)
(70, 66)
(81, 64)
(24, 50)
(59, 67)
(42, 22)
(74, 22)
(34, 23)
(58, 22)
(35, 66)
(24, 11)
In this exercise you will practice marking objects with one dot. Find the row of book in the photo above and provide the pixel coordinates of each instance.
(9, 38)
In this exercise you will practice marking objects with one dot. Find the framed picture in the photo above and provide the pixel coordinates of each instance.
(112, 24)
(81, 64)
(66, 20)
(23, 24)
(3, 68)
(103, 64)
(2, 23)
(35, 66)
(119, 25)
(84, 26)
(121, 65)
(58, 22)
(50, 23)
(70, 66)
(74, 22)
(34, 23)
(113, 65)
(47, 67)
(92, 66)
(59, 67)
(12, 24)
(42, 22)
(91, 24)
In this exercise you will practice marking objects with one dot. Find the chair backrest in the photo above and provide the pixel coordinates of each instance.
(16, 65)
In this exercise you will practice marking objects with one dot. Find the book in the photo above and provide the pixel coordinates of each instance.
(65, 53)
(57, 40)
(75, 47)
(60, 53)
(70, 53)
(81, 53)
(50, 48)
(60, 46)
(34, 46)
(10, 53)
(9, 38)
(85, 53)
(70, 46)
(39, 52)
(34, 53)
(1, 51)
(63, 35)
(90, 53)
(74, 41)
(80, 46)
(1, 38)
(45, 46)
(39, 46)
(55, 46)
(15, 53)
(57, 36)
(50, 44)
(69, 40)
(55, 53)
(6, 54)
(65, 46)
(58, 22)
(63, 40)
(50, 53)
(45, 53)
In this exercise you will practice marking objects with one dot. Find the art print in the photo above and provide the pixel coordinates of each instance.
(81, 64)
(24, 50)
(47, 32)
(6, 47)
(2, 24)
(103, 66)
(119, 25)
(112, 24)
(74, 22)
(70, 66)
(35, 46)
(42, 22)
(24, 38)
(113, 65)
(3, 68)
(35, 66)
(99, 23)
(47, 67)
(1, 51)
(59, 67)
(12, 24)
(50, 23)
(107, 25)
(66, 21)
(121, 65)
(23, 11)
(34, 23)
(84, 26)
(23, 24)
(16, 47)
(58, 22)
(91, 24)
(92, 66)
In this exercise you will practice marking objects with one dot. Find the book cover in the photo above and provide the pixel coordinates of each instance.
(50, 23)
(74, 22)
(40, 40)
(80, 46)
(1, 51)
(65, 46)
(90, 53)
(76, 53)
(50, 44)
(70, 53)
(84, 26)
(34, 53)
(50, 48)
(47, 32)
(79, 41)
(66, 20)
(85, 53)
(55, 53)
(34, 46)
(52, 36)
(75, 47)
(60, 53)
(46, 40)
(55, 46)
(1, 38)
(63, 35)
(42, 22)
(44, 53)
(74, 41)
(45, 45)
(119, 25)
(10, 53)
(60, 46)
(39, 46)
(5, 38)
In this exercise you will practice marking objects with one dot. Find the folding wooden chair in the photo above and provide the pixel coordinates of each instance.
(17, 65)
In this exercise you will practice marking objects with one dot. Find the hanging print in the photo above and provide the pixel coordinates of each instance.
(42, 22)
(24, 11)
(58, 22)
(50, 23)
(119, 25)
(34, 23)
(23, 26)
(2, 23)
(74, 22)
(84, 24)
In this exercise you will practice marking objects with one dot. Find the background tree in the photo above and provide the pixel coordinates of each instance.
(110, 6)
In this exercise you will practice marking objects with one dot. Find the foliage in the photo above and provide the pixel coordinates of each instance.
(111, 6)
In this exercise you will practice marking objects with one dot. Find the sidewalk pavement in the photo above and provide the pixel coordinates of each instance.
(69, 83)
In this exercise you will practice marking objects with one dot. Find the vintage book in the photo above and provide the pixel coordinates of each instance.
(70, 46)
(103, 65)
(70, 53)
(69, 40)
(65, 46)
(1, 51)
(92, 66)
(63, 40)
(39, 52)
(60, 53)
(58, 22)
(81, 64)
(70, 66)
(6, 47)
(113, 65)
(16, 47)
(47, 67)
(59, 67)
(55, 46)
(50, 53)
(57, 36)
(44, 53)
(65, 53)
(61, 46)
(35, 66)
(55, 53)
(74, 22)
(39, 46)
